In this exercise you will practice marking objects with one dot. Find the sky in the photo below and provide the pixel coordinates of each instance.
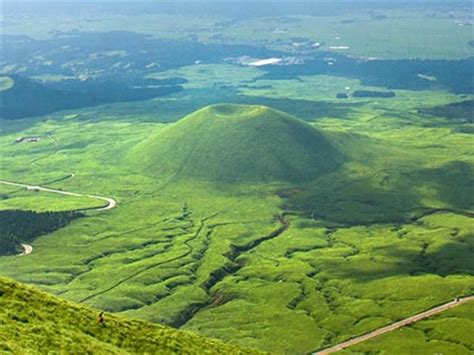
(233, 1)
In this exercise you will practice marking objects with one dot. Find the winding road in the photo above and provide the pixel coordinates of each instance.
(111, 203)
(395, 326)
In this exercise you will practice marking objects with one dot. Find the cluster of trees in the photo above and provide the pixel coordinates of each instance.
(454, 75)
(68, 94)
(18, 227)
(367, 93)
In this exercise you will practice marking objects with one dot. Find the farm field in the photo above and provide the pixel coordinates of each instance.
(284, 208)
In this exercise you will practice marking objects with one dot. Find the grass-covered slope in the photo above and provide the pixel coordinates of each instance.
(32, 321)
(246, 143)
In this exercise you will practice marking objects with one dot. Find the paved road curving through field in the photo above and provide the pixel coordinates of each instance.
(111, 203)
(395, 326)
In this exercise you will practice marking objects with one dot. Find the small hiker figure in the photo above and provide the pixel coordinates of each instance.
(101, 319)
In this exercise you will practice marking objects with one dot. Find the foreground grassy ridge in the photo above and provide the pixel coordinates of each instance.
(365, 245)
(36, 322)
(447, 333)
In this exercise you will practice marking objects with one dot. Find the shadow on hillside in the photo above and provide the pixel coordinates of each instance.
(463, 110)
(454, 183)
(385, 196)
(337, 198)
(454, 258)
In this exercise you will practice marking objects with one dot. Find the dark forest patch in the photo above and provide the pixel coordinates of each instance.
(368, 93)
(69, 94)
(454, 75)
(18, 227)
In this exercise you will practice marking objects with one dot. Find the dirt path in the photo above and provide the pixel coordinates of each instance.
(396, 325)
(111, 203)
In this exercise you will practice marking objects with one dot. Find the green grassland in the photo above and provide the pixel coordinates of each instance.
(160, 25)
(284, 265)
(36, 322)
(388, 33)
(399, 35)
(12, 198)
(448, 333)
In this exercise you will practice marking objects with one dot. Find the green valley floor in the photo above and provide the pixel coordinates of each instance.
(265, 253)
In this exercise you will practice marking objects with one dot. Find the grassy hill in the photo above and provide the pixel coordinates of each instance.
(35, 322)
(238, 143)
